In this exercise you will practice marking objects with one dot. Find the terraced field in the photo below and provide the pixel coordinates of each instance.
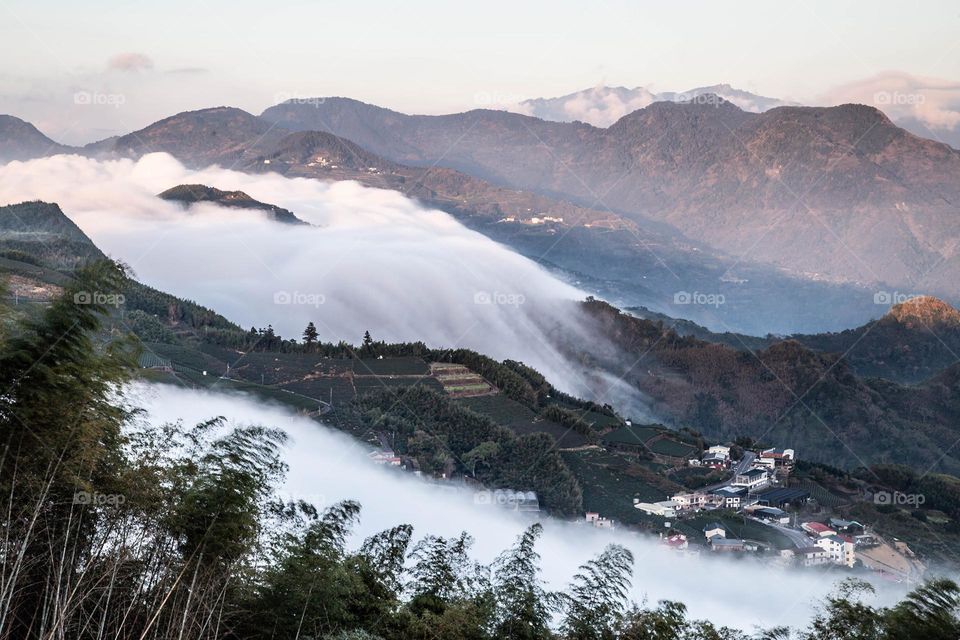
(459, 382)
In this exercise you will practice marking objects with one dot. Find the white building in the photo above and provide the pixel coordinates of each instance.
(695, 500)
(752, 479)
(812, 556)
(729, 497)
(720, 450)
(841, 551)
(664, 509)
(714, 530)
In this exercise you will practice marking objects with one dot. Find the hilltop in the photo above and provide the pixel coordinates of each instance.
(189, 194)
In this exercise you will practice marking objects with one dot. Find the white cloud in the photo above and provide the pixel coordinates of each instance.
(375, 260)
(130, 62)
(929, 107)
(320, 459)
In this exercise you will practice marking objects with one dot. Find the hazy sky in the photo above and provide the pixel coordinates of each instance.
(144, 60)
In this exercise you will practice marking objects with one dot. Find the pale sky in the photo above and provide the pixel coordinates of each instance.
(146, 60)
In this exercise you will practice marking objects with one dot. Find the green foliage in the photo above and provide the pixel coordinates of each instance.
(442, 434)
(523, 607)
(597, 597)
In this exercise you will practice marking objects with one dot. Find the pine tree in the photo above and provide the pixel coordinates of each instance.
(367, 347)
(310, 335)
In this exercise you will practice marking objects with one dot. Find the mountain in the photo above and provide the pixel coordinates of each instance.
(914, 341)
(20, 140)
(223, 136)
(39, 233)
(629, 259)
(838, 194)
(787, 393)
(189, 194)
(469, 402)
(602, 106)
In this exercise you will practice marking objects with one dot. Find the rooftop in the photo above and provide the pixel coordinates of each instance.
(818, 527)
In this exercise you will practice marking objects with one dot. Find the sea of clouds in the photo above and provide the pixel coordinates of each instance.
(372, 259)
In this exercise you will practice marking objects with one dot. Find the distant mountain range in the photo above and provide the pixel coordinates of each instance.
(839, 194)
(796, 218)
(602, 106)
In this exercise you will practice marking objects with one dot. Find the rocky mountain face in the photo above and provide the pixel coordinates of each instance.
(836, 193)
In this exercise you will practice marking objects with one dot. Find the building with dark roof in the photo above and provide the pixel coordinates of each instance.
(782, 497)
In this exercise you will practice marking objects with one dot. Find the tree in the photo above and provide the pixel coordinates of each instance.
(310, 335)
(442, 572)
(667, 622)
(483, 453)
(928, 612)
(597, 597)
(523, 607)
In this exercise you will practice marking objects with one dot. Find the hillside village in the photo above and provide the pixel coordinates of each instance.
(776, 521)
(759, 490)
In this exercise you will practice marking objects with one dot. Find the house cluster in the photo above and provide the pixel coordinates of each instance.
(748, 486)
(717, 540)
(830, 544)
(716, 457)
(773, 461)
(594, 519)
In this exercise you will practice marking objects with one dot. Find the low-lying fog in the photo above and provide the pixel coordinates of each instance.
(374, 260)
(327, 466)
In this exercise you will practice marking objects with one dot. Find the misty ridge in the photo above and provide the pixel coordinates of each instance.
(373, 261)
(382, 322)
